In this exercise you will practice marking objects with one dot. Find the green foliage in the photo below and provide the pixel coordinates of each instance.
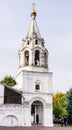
(69, 106)
(8, 80)
(59, 104)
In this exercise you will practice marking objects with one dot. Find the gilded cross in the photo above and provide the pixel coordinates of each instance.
(33, 6)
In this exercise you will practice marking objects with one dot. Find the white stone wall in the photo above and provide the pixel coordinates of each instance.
(1, 94)
(7, 112)
(30, 79)
(48, 116)
(19, 81)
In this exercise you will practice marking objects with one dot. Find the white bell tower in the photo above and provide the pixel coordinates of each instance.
(34, 78)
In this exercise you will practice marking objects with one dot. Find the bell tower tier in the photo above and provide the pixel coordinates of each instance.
(34, 79)
(33, 53)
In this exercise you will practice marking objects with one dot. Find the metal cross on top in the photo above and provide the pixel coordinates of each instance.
(33, 6)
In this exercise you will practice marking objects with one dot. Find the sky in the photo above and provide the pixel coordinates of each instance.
(54, 19)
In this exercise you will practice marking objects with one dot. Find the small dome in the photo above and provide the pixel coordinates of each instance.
(33, 13)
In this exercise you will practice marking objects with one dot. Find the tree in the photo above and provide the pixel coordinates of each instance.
(59, 104)
(8, 80)
(69, 106)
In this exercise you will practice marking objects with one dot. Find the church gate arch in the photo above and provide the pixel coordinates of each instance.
(39, 99)
(37, 114)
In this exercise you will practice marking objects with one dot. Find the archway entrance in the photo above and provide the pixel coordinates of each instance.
(37, 112)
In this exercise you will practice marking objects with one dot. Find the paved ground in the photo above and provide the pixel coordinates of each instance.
(36, 128)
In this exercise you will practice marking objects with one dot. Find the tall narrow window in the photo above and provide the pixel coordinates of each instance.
(36, 42)
(42, 44)
(45, 58)
(37, 57)
(26, 57)
(28, 42)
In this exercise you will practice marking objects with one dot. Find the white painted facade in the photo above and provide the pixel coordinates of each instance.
(34, 81)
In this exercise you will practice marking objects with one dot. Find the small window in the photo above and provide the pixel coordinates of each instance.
(36, 42)
(37, 87)
(42, 44)
(37, 56)
(28, 42)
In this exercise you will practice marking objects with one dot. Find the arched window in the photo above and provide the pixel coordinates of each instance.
(37, 57)
(26, 57)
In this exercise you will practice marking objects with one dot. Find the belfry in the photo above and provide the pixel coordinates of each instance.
(34, 82)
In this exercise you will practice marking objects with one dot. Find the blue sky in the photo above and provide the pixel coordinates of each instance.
(54, 18)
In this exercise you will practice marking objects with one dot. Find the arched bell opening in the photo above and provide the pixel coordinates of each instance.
(37, 58)
(26, 57)
(37, 113)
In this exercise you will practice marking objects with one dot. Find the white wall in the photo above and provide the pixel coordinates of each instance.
(1, 94)
(30, 78)
(48, 116)
(7, 112)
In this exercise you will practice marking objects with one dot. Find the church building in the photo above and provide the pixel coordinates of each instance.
(29, 102)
